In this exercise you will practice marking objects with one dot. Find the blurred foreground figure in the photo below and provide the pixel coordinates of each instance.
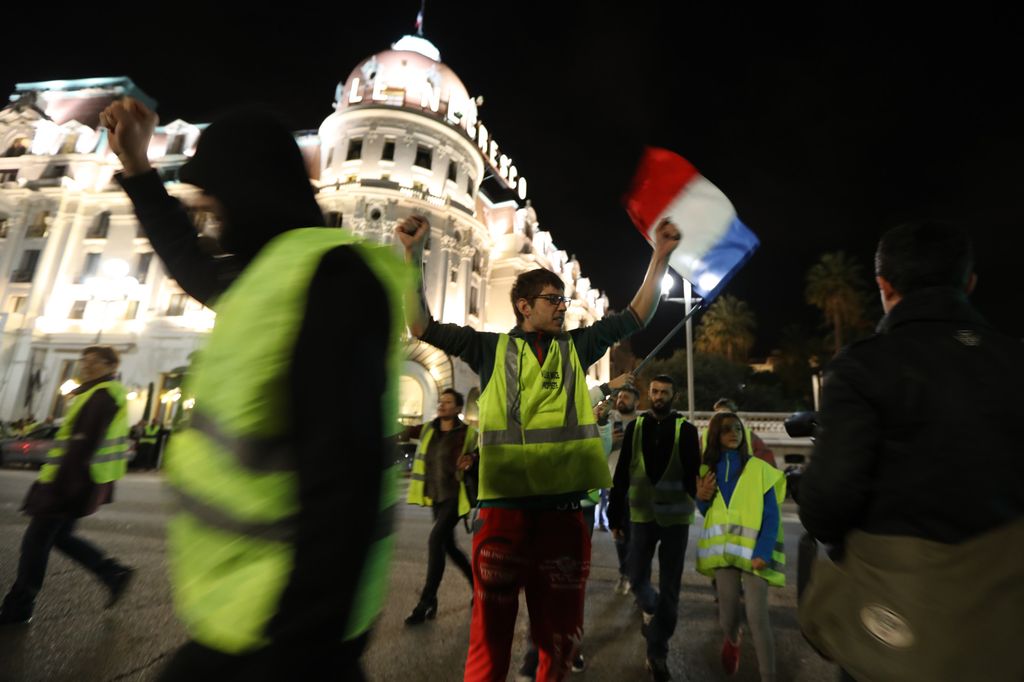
(90, 453)
(281, 540)
(917, 480)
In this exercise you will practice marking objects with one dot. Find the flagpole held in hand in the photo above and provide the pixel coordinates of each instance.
(661, 344)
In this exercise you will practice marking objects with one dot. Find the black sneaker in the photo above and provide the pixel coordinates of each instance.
(117, 579)
(12, 613)
(658, 667)
(528, 670)
(578, 664)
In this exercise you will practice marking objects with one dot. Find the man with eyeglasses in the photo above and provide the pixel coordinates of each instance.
(539, 455)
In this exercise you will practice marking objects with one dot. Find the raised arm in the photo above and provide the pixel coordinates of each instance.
(645, 303)
(412, 232)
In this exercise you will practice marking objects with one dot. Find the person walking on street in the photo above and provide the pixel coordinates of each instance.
(90, 452)
(539, 455)
(280, 543)
(740, 497)
(447, 450)
(913, 418)
(657, 472)
(149, 445)
(620, 418)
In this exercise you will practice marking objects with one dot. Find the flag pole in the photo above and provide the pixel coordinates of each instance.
(688, 296)
(675, 330)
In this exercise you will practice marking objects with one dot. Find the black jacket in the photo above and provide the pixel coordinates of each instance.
(658, 440)
(73, 492)
(920, 428)
(337, 368)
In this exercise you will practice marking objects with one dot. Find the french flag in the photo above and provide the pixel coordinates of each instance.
(714, 244)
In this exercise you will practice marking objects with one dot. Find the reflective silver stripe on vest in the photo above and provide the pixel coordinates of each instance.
(557, 434)
(733, 529)
(513, 421)
(418, 477)
(275, 531)
(569, 386)
(109, 457)
(669, 485)
(514, 434)
(111, 442)
(255, 454)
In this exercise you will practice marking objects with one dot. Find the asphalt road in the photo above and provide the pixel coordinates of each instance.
(72, 638)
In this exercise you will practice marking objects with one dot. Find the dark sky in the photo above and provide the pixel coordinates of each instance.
(823, 129)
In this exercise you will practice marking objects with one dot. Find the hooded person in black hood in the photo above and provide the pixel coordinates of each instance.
(255, 182)
(251, 168)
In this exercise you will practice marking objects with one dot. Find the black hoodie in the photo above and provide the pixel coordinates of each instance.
(253, 166)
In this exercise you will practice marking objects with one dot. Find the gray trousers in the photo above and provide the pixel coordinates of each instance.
(755, 597)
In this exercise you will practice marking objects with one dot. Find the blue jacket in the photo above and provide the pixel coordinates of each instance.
(730, 468)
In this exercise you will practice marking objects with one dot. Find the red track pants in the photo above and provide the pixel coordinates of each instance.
(548, 554)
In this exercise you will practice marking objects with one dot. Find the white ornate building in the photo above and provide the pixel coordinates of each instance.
(405, 137)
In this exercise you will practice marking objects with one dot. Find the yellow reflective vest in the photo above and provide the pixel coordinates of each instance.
(419, 470)
(665, 502)
(730, 531)
(233, 470)
(150, 434)
(538, 433)
(110, 460)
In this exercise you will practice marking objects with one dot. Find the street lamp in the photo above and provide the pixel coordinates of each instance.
(667, 283)
(113, 285)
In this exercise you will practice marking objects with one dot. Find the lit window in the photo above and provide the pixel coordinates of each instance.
(423, 157)
(100, 226)
(355, 149)
(27, 268)
(142, 266)
(77, 310)
(176, 307)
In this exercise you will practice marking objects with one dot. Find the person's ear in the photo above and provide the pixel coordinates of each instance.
(886, 288)
(524, 308)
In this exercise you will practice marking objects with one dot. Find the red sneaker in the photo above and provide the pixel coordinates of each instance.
(730, 656)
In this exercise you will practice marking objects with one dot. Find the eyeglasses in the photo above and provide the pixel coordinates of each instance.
(555, 299)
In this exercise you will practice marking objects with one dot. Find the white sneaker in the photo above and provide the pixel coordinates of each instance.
(623, 587)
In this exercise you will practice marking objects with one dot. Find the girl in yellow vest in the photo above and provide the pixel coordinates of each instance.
(740, 498)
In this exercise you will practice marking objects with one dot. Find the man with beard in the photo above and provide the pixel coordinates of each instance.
(657, 470)
(621, 417)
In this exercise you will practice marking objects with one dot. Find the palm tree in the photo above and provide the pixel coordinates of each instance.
(835, 284)
(727, 329)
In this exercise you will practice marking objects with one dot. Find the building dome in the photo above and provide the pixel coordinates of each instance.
(410, 75)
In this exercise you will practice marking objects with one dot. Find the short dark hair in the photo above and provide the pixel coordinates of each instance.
(459, 399)
(106, 353)
(665, 379)
(917, 255)
(631, 389)
(529, 284)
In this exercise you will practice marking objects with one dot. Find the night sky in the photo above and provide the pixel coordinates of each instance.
(823, 130)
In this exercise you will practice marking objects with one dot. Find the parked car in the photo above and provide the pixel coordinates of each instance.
(31, 449)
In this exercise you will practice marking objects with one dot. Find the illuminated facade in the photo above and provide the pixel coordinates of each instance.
(405, 137)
